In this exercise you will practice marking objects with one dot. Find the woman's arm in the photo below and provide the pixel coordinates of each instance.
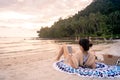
(91, 61)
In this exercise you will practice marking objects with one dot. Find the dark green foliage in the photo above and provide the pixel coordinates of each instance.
(100, 18)
(114, 21)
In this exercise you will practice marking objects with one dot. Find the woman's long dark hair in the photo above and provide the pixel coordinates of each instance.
(85, 43)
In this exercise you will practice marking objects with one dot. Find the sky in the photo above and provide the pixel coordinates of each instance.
(22, 18)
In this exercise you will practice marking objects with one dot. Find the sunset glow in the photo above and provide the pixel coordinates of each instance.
(14, 15)
(31, 15)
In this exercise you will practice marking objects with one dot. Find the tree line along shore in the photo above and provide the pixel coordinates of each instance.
(99, 19)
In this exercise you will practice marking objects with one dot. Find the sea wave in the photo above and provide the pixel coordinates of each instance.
(22, 45)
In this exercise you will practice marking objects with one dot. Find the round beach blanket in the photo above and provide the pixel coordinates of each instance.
(102, 70)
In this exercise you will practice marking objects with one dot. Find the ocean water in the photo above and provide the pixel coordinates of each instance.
(21, 46)
(26, 46)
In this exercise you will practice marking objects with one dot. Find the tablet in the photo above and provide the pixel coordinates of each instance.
(69, 49)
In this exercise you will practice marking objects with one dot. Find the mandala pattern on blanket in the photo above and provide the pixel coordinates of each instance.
(102, 70)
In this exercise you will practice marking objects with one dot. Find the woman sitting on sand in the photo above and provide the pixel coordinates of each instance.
(78, 58)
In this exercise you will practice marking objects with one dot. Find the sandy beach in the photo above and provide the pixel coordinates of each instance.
(39, 66)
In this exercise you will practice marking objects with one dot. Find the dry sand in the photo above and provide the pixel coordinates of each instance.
(39, 66)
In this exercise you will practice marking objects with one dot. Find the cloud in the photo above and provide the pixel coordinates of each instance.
(7, 3)
(32, 14)
(44, 7)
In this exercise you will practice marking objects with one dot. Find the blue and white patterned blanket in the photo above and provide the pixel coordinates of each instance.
(102, 70)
